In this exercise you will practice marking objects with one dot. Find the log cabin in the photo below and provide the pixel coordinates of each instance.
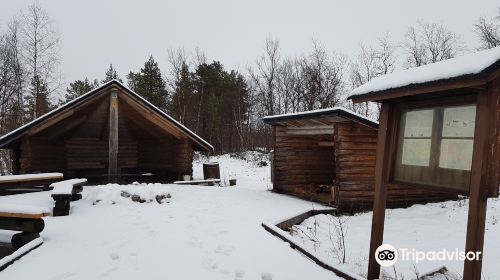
(328, 156)
(110, 134)
(439, 130)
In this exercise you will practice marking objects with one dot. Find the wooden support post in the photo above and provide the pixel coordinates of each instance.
(380, 197)
(16, 159)
(478, 192)
(113, 138)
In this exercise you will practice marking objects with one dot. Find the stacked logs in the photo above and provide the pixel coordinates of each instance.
(29, 227)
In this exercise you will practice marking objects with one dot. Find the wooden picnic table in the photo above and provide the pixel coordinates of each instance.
(17, 184)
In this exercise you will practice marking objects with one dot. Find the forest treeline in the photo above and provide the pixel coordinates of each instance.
(223, 106)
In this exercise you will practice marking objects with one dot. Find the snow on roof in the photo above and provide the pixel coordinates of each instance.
(468, 64)
(333, 110)
(178, 124)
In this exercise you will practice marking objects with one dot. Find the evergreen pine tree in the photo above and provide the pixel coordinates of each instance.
(149, 84)
(78, 88)
(182, 101)
(38, 99)
(132, 80)
(111, 74)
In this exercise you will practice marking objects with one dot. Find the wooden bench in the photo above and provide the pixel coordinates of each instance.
(64, 192)
(26, 219)
(209, 182)
(24, 183)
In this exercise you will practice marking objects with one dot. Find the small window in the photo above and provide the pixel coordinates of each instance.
(435, 146)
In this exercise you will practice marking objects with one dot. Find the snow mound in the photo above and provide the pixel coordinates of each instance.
(113, 193)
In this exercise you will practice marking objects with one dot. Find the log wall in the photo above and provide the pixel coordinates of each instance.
(355, 149)
(40, 155)
(303, 163)
(166, 155)
(302, 166)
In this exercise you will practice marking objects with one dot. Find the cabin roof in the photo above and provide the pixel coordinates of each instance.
(335, 114)
(470, 70)
(19, 132)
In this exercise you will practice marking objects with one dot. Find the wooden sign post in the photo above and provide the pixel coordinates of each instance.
(113, 138)
(441, 135)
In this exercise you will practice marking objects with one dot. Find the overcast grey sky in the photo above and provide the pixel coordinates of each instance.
(95, 33)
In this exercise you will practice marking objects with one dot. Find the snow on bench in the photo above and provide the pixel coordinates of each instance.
(64, 192)
(66, 187)
(29, 177)
(23, 211)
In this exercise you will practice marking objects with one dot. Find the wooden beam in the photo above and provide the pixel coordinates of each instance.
(478, 193)
(312, 127)
(326, 144)
(113, 138)
(154, 118)
(16, 156)
(50, 122)
(74, 123)
(310, 132)
(380, 196)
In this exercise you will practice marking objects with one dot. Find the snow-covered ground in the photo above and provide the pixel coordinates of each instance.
(202, 233)
(429, 227)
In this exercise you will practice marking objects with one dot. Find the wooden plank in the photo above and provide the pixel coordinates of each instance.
(274, 230)
(113, 138)
(15, 255)
(24, 215)
(379, 202)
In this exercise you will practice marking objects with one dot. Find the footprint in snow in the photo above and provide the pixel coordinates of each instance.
(239, 274)
(266, 276)
(114, 256)
(224, 250)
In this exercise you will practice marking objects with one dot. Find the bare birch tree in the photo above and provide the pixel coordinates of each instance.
(40, 42)
(371, 62)
(430, 42)
(323, 74)
(488, 32)
(264, 76)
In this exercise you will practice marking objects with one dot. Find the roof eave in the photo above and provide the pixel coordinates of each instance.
(466, 81)
(14, 135)
(337, 113)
